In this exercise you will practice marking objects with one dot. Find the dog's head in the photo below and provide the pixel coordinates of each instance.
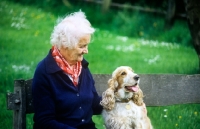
(123, 86)
(125, 81)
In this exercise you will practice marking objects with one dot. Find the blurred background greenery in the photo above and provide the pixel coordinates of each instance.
(125, 35)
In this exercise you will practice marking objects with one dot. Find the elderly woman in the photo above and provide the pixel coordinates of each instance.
(64, 95)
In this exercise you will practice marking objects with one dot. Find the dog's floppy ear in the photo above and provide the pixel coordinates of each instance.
(112, 83)
(138, 98)
(108, 98)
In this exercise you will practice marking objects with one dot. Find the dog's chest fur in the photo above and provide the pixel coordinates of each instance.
(128, 115)
(122, 109)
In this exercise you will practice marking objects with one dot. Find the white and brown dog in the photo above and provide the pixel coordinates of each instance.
(123, 102)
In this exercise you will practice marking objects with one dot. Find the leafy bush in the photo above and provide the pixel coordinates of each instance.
(125, 22)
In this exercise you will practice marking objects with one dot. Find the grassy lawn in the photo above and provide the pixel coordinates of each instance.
(24, 41)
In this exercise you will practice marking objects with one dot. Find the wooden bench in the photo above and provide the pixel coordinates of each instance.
(159, 90)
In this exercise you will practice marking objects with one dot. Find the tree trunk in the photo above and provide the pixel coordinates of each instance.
(170, 14)
(106, 5)
(193, 17)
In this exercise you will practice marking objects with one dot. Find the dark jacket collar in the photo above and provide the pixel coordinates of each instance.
(52, 67)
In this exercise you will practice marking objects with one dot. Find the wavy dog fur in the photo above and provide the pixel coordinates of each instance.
(123, 102)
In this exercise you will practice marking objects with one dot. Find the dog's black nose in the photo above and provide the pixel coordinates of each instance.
(136, 77)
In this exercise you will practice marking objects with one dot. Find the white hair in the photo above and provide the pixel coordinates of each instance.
(70, 30)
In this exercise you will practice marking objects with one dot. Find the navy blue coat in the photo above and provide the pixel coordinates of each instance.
(58, 104)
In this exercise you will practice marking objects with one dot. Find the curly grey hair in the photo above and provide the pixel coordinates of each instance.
(70, 30)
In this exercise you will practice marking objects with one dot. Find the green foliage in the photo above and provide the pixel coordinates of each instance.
(40, 3)
(125, 21)
(24, 41)
(148, 26)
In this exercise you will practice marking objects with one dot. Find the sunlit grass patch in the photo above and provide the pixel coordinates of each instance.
(154, 56)
(177, 116)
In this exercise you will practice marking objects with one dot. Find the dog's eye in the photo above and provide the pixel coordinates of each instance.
(123, 73)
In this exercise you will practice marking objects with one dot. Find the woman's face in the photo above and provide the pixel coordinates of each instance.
(74, 55)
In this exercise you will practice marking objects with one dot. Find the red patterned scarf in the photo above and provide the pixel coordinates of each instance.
(73, 72)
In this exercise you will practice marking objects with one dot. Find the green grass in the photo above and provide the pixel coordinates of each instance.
(24, 41)
(175, 117)
(144, 56)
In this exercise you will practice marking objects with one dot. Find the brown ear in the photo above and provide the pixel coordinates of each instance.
(108, 98)
(138, 98)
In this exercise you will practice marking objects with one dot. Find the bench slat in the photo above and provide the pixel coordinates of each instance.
(162, 89)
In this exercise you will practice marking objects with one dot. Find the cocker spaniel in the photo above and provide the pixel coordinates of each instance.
(123, 102)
